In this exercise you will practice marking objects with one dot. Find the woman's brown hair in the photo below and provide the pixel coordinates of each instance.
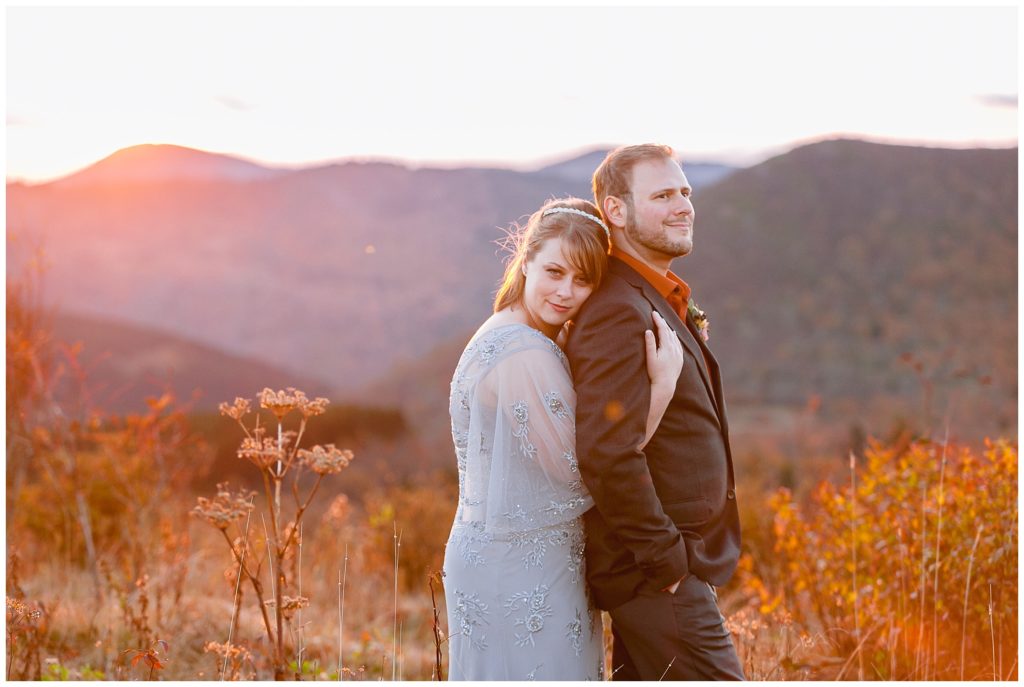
(584, 242)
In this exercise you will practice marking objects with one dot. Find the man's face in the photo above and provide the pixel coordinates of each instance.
(659, 218)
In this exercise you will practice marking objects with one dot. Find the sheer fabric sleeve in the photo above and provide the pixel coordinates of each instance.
(534, 477)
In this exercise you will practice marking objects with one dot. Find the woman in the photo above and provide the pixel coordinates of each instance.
(514, 580)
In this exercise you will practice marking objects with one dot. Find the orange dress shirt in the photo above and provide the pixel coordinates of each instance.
(672, 288)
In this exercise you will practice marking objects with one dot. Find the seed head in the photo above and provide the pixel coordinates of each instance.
(225, 508)
(226, 650)
(326, 460)
(261, 451)
(290, 604)
(18, 610)
(238, 410)
(309, 408)
(280, 403)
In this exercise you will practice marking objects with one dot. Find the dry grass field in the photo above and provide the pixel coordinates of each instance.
(903, 568)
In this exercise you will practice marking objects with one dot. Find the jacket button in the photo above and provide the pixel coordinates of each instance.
(730, 494)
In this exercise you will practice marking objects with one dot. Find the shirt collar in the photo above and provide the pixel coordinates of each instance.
(667, 284)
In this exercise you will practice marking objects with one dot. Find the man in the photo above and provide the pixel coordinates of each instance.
(665, 527)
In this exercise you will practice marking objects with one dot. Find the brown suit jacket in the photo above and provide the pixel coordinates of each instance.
(669, 509)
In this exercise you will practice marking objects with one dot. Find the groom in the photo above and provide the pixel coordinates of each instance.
(665, 527)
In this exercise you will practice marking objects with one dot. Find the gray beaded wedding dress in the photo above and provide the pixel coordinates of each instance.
(518, 607)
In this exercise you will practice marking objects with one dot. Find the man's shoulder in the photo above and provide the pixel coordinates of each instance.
(617, 305)
(616, 290)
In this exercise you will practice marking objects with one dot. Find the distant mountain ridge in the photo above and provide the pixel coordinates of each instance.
(581, 169)
(159, 163)
(166, 163)
(819, 268)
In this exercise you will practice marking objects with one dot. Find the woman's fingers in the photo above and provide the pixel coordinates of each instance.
(666, 335)
(662, 325)
(669, 347)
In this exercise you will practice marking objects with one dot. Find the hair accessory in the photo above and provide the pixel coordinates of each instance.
(581, 213)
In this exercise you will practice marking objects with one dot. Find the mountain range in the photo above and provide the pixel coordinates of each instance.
(876, 278)
(335, 272)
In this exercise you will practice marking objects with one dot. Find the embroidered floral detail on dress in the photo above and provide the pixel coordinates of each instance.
(574, 464)
(565, 506)
(576, 550)
(574, 631)
(516, 514)
(536, 610)
(538, 542)
(556, 405)
(458, 387)
(494, 346)
(461, 439)
(469, 612)
(532, 675)
(521, 414)
(468, 541)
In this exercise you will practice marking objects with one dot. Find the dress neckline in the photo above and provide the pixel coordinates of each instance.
(555, 347)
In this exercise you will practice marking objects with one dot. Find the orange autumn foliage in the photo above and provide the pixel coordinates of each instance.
(914, 561)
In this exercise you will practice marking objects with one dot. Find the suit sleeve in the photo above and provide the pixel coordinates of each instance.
(613, 395)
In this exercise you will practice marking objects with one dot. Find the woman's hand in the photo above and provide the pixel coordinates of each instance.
(664, 361)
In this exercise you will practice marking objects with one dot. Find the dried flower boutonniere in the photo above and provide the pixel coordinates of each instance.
(700, 318)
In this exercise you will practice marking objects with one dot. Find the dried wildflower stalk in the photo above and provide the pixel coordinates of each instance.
(21, 620)
(228, 652)
(275, 458)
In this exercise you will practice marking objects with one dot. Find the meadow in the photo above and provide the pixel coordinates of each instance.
(129, 557)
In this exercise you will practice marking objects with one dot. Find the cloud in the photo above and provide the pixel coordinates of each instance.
(999, 100)
(233, 103)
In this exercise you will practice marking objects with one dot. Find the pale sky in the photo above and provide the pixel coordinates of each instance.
(511, 86)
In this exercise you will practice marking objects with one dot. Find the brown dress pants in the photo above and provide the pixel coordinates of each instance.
(681, 636)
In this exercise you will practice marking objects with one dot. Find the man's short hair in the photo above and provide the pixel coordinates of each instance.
(613, 175)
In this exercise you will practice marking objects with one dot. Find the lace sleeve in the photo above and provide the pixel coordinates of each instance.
(535, 480)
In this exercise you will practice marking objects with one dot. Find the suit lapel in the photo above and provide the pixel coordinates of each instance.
(712, 363)
(682, 330)
(691, 339)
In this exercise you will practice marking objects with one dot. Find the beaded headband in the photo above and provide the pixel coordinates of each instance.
(581, 213)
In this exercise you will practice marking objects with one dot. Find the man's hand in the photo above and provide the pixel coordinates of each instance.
(671, 589)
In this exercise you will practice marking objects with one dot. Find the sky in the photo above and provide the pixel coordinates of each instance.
(514, 87)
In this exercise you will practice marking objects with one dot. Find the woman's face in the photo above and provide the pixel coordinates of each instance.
(554, 289)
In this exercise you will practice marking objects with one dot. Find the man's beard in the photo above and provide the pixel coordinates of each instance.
(656, 241)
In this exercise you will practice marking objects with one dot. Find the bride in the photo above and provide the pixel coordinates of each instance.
(515, 587)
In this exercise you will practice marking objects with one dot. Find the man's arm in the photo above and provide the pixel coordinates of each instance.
(613, 392)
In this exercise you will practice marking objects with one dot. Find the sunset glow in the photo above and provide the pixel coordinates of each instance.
(510, 86)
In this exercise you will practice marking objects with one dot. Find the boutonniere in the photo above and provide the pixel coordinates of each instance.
(700, 318)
